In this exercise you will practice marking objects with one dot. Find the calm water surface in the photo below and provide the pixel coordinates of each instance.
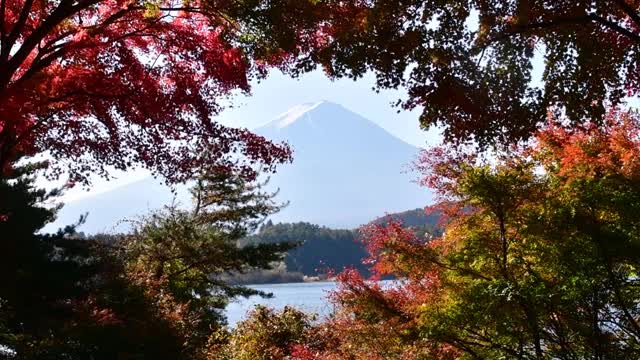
(310, 297)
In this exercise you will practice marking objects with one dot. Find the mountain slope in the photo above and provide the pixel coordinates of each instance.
(346, 171)
(108, 211)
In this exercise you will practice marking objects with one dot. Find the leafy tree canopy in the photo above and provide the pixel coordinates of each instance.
(468, 64)
(538, 259)
(265, 334)
(126, 83)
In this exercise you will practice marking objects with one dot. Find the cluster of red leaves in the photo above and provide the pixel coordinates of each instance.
(121, 83)
(159, 307)
(440, 166)
(90, 311)
(376, 320)
(161, 303)
(362, 340)
(593, 151)
(394, 249)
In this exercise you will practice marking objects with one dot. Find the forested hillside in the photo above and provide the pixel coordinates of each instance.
(418, 220)
(321, 249)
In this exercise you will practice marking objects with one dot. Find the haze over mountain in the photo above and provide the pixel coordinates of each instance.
(346, 171)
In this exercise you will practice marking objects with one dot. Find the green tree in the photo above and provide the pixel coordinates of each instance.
(33, 295)
(189, 251)
(66, 297)
(267, 334)
(538, 259)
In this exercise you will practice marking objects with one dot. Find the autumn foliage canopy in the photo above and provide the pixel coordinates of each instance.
(123, 83)
(484, 70)
(537, 258)
(539, 248)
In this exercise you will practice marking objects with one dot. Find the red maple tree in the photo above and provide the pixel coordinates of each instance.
(121, 83)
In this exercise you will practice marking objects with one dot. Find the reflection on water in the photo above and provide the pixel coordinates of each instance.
(310, 297)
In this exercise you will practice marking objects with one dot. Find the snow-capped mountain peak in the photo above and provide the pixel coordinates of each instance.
(293, 114)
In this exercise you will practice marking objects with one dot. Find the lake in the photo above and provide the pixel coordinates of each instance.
(310, 297)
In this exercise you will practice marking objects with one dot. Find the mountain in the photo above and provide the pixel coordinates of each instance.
(422, 223)
(109, 211)
(346, 171)
(411, 218)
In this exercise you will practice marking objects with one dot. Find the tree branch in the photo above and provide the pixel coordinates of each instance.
(522, 29)
(16, 30)
(62, 12)
(42, 64)
(630, 11)
(2, 23)
(576, 20)
(615, 27)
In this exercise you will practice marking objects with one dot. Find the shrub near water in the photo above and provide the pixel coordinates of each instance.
(266, 334)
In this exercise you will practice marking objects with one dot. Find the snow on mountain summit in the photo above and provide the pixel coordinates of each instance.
(326, 122)
(293, 114)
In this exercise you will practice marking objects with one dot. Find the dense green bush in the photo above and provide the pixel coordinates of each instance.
(267, 334)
